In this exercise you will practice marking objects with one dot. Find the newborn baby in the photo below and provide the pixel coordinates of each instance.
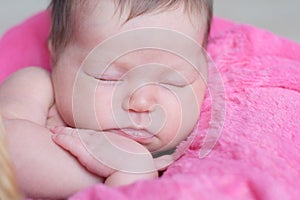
(126, 87)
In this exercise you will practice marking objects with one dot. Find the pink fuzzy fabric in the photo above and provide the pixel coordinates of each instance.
(258, 153)
(25, 45)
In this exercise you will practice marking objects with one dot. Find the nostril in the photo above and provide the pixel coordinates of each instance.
(140, 103)
(138, 110)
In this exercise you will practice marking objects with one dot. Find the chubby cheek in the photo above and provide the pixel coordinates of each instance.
(63, 82)
(78, 100)
(182, 112)
(172, 123)
(104, 108)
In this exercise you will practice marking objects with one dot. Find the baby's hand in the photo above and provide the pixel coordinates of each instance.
(53, 118)
(104, 153)
(162, 162)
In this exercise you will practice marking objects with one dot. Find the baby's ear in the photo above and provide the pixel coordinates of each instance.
(51, 50)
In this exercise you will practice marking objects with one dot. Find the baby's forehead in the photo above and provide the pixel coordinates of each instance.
(122, 14)
(101, 22)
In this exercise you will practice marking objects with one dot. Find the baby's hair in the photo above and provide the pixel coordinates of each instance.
(64, 17)
(8, 184)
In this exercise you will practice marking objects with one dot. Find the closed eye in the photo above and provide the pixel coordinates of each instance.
(175, 83)
(108, 80)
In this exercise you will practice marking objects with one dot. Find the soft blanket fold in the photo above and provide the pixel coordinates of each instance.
(258, 153)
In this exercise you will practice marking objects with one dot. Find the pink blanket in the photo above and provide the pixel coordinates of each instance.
(258, 153)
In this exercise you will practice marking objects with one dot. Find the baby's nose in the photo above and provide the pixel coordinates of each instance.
(142, 100)
(140, 104)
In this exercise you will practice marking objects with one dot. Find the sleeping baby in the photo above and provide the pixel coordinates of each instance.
(126, 87)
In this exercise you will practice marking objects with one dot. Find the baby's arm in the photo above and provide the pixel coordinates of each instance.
(42, 168)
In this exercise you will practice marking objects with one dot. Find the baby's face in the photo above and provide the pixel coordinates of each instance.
(148, 94)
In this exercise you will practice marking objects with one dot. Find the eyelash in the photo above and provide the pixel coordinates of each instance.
(112, 82)
(174, 85)
(108, 81)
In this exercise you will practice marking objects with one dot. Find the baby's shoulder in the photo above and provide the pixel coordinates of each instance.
(28, 83)
(30, 78)
(32, 72)
(27, 94)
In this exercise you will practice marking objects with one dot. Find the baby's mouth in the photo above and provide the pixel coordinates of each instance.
(141, 136)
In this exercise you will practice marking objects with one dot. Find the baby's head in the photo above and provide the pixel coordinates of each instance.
(105, 80)
(68, 15)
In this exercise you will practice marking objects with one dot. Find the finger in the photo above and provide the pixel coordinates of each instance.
(68, 139)
(162, 162)
(64, 130)
(118, 152)
(53, 118)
